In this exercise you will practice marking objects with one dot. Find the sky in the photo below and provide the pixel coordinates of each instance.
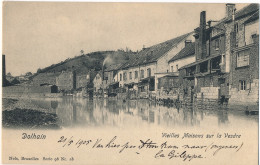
(39, 34)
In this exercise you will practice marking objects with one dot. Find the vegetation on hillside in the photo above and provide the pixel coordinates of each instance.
(90, 61)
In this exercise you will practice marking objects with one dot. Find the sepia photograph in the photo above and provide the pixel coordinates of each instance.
(130, 83)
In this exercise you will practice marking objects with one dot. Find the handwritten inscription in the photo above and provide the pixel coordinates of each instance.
(162, 150)
(33, 136)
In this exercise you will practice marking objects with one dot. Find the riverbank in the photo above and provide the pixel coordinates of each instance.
(24, 113)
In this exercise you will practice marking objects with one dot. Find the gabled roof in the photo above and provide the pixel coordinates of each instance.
(153, 53)
(113, 67)
(252, 8)
(247, 10)
(254, 17)
(187, 51)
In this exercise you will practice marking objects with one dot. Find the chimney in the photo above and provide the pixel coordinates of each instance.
(3, 71)
(202, 36)
(230, 7)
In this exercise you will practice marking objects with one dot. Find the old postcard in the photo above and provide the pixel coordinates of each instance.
(130, 83)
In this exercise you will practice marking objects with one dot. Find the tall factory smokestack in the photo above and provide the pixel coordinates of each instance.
(202, 35)
(3, 71)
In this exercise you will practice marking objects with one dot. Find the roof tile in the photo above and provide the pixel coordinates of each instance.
(187, 51)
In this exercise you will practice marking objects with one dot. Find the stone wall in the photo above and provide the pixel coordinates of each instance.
(29, 91)
(208, 93)
(207, 81)
(248, 96)
(97, 81)
(45, 78)
(66, 81)
(82, 80)
(168, 82)
(248, 73)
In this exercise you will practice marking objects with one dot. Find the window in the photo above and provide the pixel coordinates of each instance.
(217, 44)
(236, 27)
(172, 68)
(130, 75)
(120, 77)
(243, 58)
(142, 73)
(251, 32)
(136, 74)
(148, 72)
(177, 67)
(223, 59)
(203, 67)
(242, 84)
(125, 76)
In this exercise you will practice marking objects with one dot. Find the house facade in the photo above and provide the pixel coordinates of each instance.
(82, 80)
(98, 86)
(168, 83)
(222, 53)
(244, 70)
(141, 73)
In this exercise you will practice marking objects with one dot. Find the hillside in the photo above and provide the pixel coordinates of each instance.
(90, 61)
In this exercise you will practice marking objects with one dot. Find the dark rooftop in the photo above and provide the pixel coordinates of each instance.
(187, 51)
(153, 53)
(252, 8)
(254, 17)
(113, 67)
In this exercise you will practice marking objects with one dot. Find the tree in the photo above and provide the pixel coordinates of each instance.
(9, 74)
(39, 70)
(28, 74)
(15, 81)
(82, 52)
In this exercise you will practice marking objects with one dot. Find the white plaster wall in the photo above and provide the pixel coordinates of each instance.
(152, 66)
(133, 69)
(117, 78)
(162, 63)
(181, 63)
(97, 82)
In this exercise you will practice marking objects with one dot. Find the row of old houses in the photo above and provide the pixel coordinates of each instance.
(217, 61)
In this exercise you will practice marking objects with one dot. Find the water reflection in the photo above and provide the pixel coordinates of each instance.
(137, 113)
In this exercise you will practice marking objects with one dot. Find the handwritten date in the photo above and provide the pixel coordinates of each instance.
(165, 149)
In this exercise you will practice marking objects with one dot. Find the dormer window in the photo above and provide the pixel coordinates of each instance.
(187, 42)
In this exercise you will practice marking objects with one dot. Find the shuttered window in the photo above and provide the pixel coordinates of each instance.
(243, 58)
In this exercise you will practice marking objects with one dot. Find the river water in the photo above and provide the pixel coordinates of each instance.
(129, 122)
(107, 113)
